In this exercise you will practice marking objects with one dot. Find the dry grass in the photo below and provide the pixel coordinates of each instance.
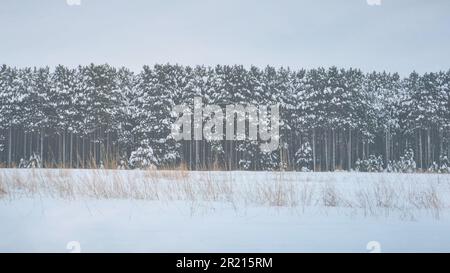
(280, 189)
(277, 194)
(330, 196)
(427, 198)
(2, 186)
(385, 198)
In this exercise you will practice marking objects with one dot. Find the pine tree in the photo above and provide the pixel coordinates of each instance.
(304, 157)
(103, 101)
(155, 101)
(99, 113)
(126, 84)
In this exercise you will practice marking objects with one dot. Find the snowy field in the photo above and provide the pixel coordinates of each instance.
(56, 210)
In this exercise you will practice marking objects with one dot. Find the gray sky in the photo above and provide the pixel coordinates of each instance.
(398, 35)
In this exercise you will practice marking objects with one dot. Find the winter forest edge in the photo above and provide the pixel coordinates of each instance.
(331, 118)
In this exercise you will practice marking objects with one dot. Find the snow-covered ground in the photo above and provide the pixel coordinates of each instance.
(178, 211)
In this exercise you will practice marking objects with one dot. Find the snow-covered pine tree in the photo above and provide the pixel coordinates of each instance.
(427, 103)
(7, 108)
(445, 164)
(271, 95)
(65, 113)
(28, 110)
(40, 98)
(93, 112)
(444, 113)
(154, 104)
(304, 157)
(126, 84)
(103, 102)
(315, 116)
(143, 157)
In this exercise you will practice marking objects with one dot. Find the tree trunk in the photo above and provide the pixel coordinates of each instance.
(428, 148)
(420, 149)
(71, 150)
(25, 145)
(314, 149)
(326, 151)
(64, 149)
(10, 146)
(387, 147)
(333, 147)
(83, 151)
(42, 147)
(349, 149)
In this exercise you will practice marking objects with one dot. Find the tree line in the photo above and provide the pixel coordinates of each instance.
(331, 118)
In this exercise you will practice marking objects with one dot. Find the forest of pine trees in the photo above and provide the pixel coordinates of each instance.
(331, 119)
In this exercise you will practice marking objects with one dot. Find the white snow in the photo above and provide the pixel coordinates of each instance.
(195, 212)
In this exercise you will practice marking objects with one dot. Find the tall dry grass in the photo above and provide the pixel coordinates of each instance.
(2, 186)
(280, 189)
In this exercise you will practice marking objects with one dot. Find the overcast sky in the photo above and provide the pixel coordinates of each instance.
(398, 35)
